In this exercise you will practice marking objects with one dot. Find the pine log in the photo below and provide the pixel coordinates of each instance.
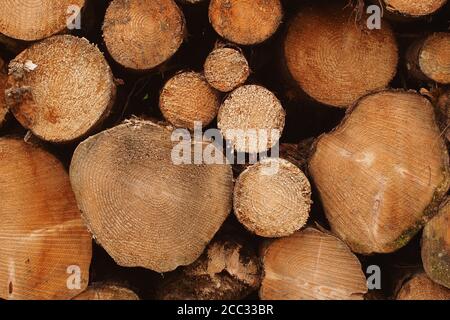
(311, 265)
(32, 20)
(41, 234)
(144, 209)
(104, 291)
(436, 246)
(334, 58)
(420, 287)
(272, 198)
(142, 34)
(226, 69)
(251, 111)
(382, 172)
(228, 270)
(428, 59)
(188, 98)
(413, 9)
(61, 88)
(245, 22)
(3, 79)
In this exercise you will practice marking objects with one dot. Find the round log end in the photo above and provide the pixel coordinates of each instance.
(142, 34)
(272, 198)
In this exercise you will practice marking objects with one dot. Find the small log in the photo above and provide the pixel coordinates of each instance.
(311, 265)
(413, 9)
(382, 172)
(428, 59)
(334, 58)
(45, 247)
(142, 34)
(144, 209)
(32, 20)
(103, 291)
(249, 117)
(61, 88)
(436, 246)
(226, 69)
(245, 22)
(228, 270)
(420, 287)
(272, 198)
(188, 98)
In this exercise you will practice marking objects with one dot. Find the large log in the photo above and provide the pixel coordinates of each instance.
(413, 9)
(142, 34)
(143, 208)
(245, 22)
(336, 59)
(61, 88)
(311, 264)
(420, 287)
(45, 247)
(32, 20)
(106, 291)
(382, 173)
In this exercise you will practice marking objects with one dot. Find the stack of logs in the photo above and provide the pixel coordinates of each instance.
(83, 169)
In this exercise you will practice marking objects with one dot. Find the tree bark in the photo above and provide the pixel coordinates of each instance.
(436, 246)
(228, 270)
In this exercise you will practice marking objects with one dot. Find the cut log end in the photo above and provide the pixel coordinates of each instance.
(436, 247)
(379, 163)
(303, 267)
(142, 34)
(335, 59)
(429, 58)
(188, 98)
(252, 119)
(35, 20)
(60, 88)
(245, 22)
(141, 207)
(102, 291)
(226, 69)
(414, 8)
(272, 198)
(46, 249)
(226, 271)
(420, 287)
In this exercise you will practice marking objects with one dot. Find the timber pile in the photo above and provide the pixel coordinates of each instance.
(224, 149)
